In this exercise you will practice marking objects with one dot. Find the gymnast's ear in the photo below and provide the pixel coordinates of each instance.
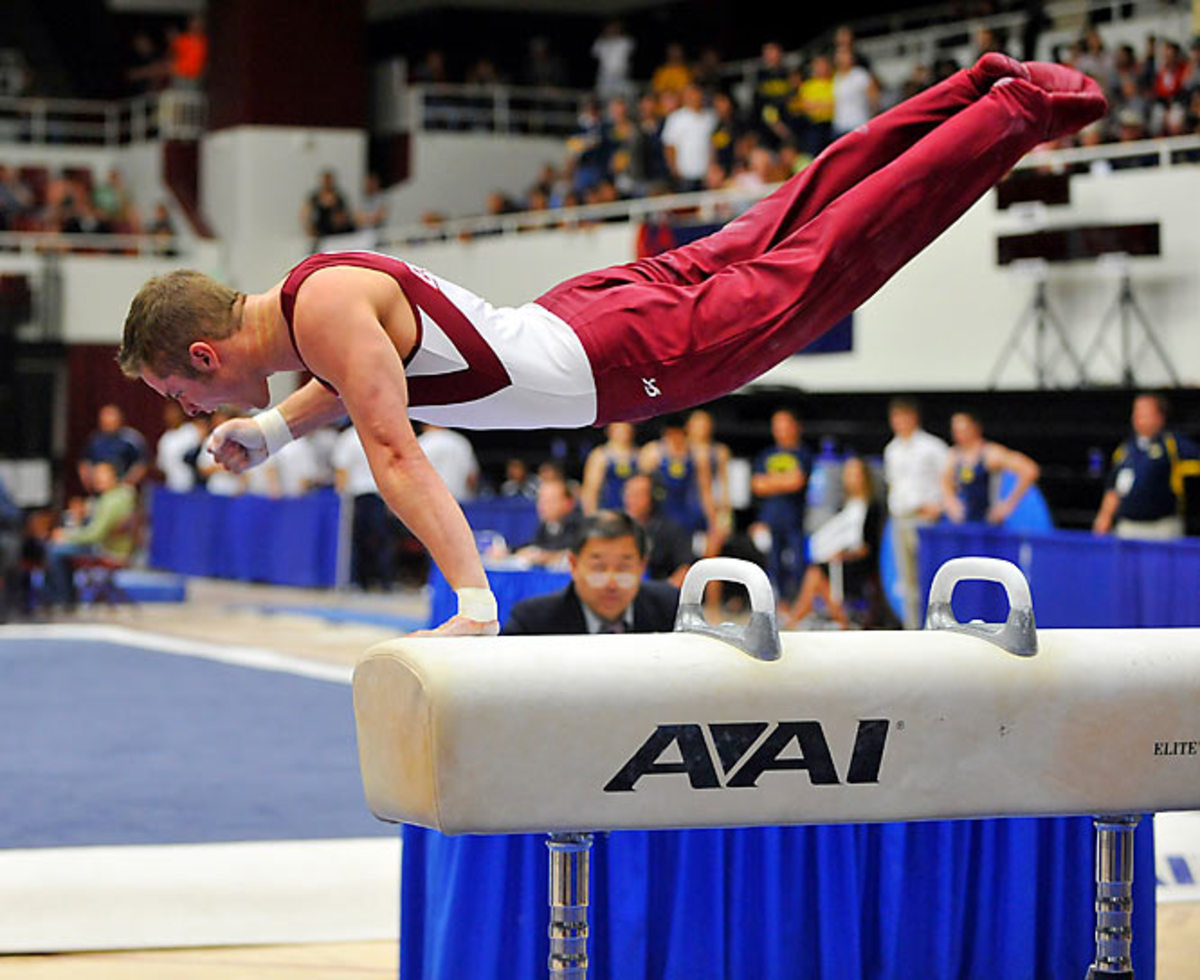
(204, 357)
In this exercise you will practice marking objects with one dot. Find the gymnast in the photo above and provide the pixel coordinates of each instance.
(387, 342)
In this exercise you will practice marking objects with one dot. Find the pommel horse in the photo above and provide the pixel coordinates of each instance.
(734, 726)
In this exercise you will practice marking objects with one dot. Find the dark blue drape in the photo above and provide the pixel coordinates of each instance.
(291, 541)
(987, 899)
(510, 586)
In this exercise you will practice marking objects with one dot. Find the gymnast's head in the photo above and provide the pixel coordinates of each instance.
(183, 336)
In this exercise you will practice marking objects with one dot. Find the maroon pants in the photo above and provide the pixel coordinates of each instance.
(681, 328)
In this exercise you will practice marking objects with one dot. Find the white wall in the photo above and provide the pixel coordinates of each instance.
(943, 321)
(446, 172)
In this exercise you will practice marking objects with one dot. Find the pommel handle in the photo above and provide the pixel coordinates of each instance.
(1017, 634)
(760, 637)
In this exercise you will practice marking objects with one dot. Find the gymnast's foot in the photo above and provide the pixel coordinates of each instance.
(992, 67)
(1075, 99)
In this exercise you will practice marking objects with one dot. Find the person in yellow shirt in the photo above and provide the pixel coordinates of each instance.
(816, 100)
(673, 75)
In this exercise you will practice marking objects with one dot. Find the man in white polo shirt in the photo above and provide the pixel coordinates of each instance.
(913, 462)
(687, 138)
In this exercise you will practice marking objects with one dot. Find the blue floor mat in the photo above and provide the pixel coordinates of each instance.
(335, 614)
(102, 743)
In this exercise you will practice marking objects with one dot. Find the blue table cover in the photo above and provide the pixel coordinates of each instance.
(510, 586)
(289, 541)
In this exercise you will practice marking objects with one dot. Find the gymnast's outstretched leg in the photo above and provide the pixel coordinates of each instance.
(696, 342)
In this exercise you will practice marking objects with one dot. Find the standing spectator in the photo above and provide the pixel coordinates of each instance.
(162, 231)
(373, 531)
(373, 213)
(674, 74)
(1170, 79)
(968, 480)
(188, 52)
(728, 131)
(613, 50)
(607, 468)
(771, 92)
(109, 532)
(451, 455)
(16, 201)
(621, 136)
(913, 463)
(649, 164)
(558, 524)
(855, 93)
(670, 550)
(543, 68)
(706, 72)
(1145, 489)
(704, 447)
(12, 519)
(116, 443)
(607, 595)
(147, 70)
(176, 446)
(816, 97)
(1096, 60)
(687, 140)
(326, 211)
(780, 482)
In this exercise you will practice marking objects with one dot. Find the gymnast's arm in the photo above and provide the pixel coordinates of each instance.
(360, 361)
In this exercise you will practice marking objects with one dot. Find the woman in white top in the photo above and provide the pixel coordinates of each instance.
(855, 93)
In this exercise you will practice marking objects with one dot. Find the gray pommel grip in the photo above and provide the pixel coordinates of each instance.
(760, 636)
(1017, 634)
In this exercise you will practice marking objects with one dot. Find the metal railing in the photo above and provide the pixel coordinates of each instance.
(711, 207)
(171, 114)
(503, 109)
(62, 243)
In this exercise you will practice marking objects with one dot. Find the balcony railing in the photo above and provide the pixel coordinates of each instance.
(168, 115)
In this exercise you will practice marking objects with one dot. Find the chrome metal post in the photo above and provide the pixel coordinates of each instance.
(569, 860)
(1114, 898)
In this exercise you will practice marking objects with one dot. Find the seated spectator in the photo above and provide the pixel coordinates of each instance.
(968, 487)
(431, 69)
(1170, 79)
(518, 481)
(326, 211)
(113, 442)
(176, 446)
(109, 532)
(373, 213)
(543, 68)
(607, 593)
(816, 99)
(674, 74)
(670, 548)
(452, 457)
(16, 201)
(113, 205)
(851, 538)
(687, 140)
(162, 230)
(558, 524)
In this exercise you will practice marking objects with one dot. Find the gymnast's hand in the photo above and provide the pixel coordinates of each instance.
(238, 445)
(462, 626)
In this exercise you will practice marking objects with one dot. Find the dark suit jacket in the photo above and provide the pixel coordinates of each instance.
(562, 612)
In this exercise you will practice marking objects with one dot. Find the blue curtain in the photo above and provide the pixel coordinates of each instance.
(995, 899)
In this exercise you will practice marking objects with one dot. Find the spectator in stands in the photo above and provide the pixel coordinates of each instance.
(687, 140)
(291, 472)
(1145, 488)
(728, 130)
(518, 481)
(162, 229)
(16, 201)
(844, 40)
(670, 548)
(148, 69)
(588, 150)
(12, 520)
(851, 538)
(969, 490)
(607, 593)
(913, 463)
(706, 72)
(543, 68)
(373, 529)
(451, 455)
(108, 532)
(613, 51)
(431, 70)
(484, 72)
(816, 99)
(684, 478)
(771, 92)
(113, 205)
(558, 524)
(780, 482)
(649, 164)
(1096, 60)
(855, 93)
(700, 438)
(1170, 79)
(116, 443)
(621, 137)
(176, 450)
(188, 51)
(326, 211)
(373, 213)
(674, 74)
(608, 467)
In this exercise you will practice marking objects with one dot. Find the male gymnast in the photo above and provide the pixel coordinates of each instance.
(387, 341)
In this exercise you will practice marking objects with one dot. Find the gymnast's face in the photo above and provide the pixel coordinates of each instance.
(607, 573)
(216, 383)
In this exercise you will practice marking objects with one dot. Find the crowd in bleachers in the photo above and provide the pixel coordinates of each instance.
(687, 129)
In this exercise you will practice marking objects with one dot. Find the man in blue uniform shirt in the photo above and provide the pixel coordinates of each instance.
(780, 482)
(1145, 493)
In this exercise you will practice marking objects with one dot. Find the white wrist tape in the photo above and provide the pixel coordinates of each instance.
(477, 604)
(274, 429)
